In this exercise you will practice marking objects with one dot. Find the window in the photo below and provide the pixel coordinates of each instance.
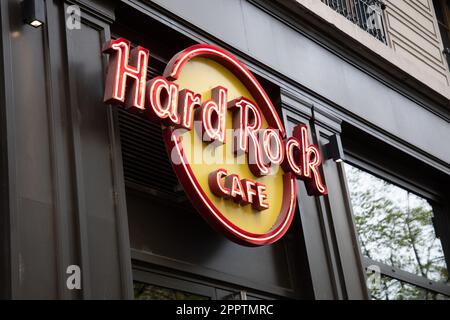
(144, 291)
(149, 284)
(398, 239)
(367, 14)
(442, 8)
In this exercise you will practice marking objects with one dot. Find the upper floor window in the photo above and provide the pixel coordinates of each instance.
(367, 14)
(442, 8)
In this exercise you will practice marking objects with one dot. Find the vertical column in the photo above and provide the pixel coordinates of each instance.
(102, 233)
(339, 209)
(327, 223)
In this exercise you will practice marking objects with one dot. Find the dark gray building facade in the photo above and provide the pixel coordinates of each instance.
(73, 193)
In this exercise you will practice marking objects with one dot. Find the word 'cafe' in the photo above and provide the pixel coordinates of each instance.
(163, 99)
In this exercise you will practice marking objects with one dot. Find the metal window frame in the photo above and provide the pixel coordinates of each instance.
(178, 280)
(173, 283)
(391, 271)
(390, 176)
(410, 278)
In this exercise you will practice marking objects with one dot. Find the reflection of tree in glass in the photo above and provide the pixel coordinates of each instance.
(395, 228)
(143, 291)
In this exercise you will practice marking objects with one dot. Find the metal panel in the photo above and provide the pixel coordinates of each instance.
(101, 209)
(66, 194)
(145, 161)
(60, 150)
(226, 17)
(32, 238)
(7, 159)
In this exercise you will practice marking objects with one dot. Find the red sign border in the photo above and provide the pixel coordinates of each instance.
(184, 171)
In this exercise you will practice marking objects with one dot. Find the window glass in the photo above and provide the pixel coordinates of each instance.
(144, 291)
(395, 226)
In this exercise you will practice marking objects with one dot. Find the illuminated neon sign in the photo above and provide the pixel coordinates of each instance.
(207, 100)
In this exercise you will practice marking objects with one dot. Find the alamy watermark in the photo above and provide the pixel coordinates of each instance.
(373, 278)
(196, 152)
(73, 21)
(74, 279)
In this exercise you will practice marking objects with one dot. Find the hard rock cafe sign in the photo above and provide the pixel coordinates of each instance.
(227, 144)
